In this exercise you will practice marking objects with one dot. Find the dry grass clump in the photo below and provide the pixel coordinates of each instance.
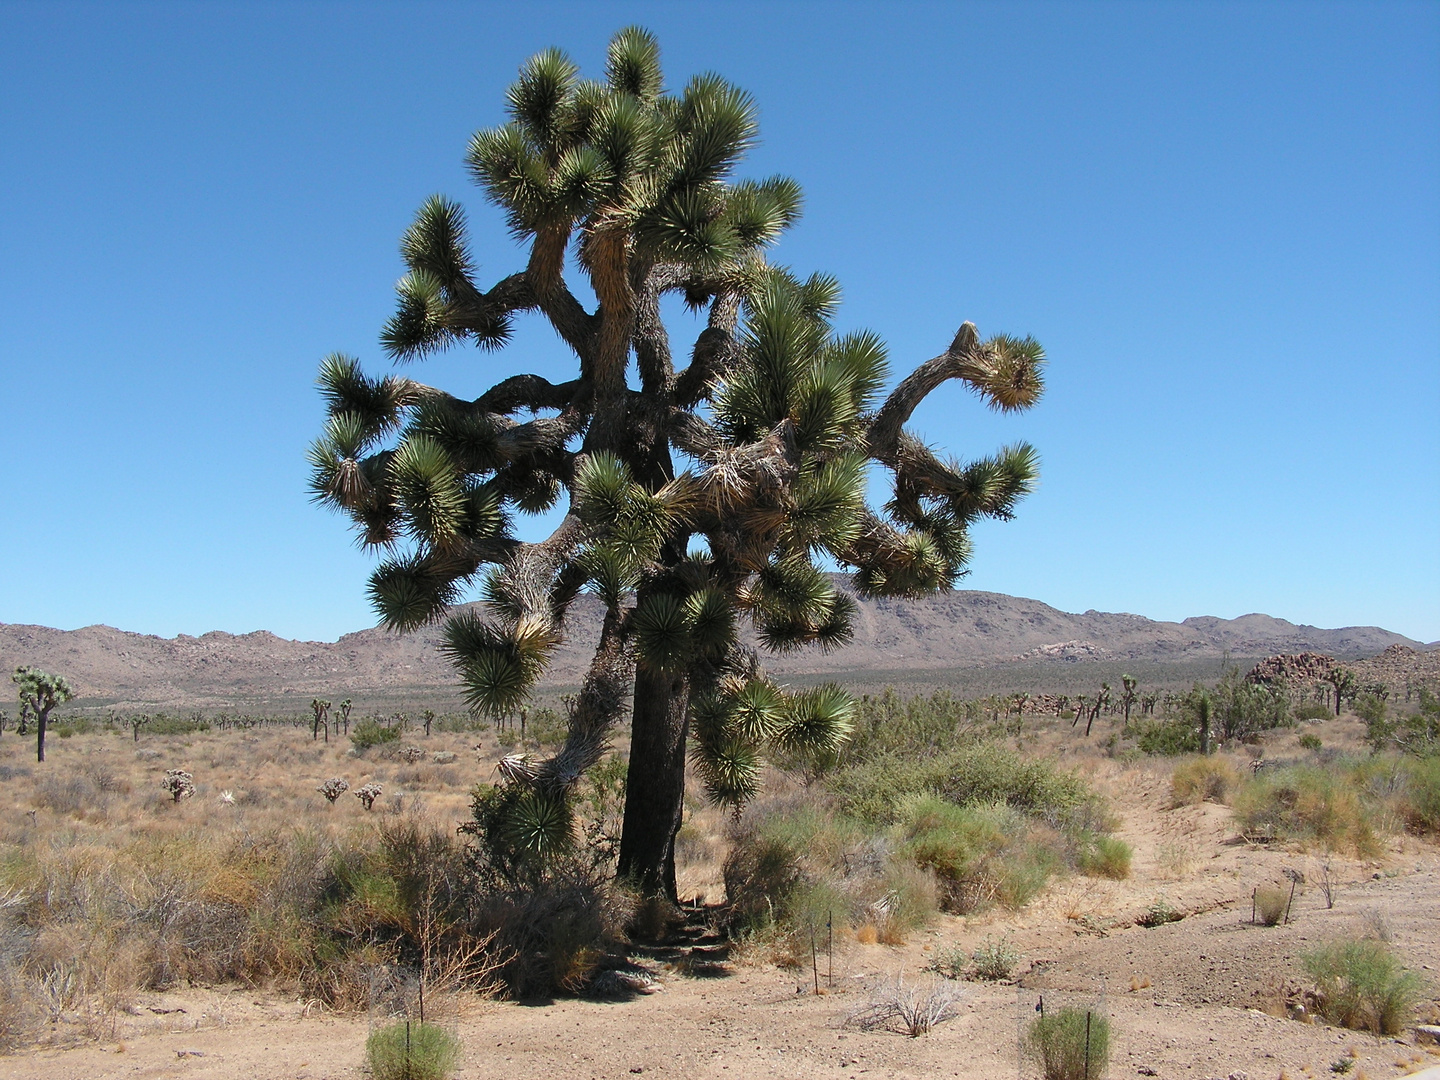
(1069, 1043)
(1199, 779)
(411, 1051)
(1309, 805)
(1271, 903)
(916, 1008)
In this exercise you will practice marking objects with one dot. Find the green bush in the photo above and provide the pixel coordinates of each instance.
(978, 774)
(1167, 738)
(161, 724)
(1105, 856)
(412, 1051)
(1069, 1043)
(1361, 984)
(1310, 741)
(1420, 800)
(1312, 710)
(369, 733)
(979, 854)
(995, 959)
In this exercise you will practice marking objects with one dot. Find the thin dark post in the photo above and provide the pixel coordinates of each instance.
(1289, 902)
(1087, 1044)
(422, 999)
(830, 949)
(814, 960)
(407, 1050)
(1252, 904)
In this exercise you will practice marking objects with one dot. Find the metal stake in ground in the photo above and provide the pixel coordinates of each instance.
(1087, 1044)
(830, 949)
(814, 961)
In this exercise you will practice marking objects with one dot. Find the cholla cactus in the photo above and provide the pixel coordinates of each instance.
(369, 793)
(333, 788)
(410, 754)
(179, 783)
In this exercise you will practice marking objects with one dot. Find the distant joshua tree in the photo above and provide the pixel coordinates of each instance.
(179, 783)
(1128, 696)
(333, 788)
(137, 722)
(345, 707)
(39, 693)
(1343, 680)
(321, 708)
(369, 793)
(429, 717)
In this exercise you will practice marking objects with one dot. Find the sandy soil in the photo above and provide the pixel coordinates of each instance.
(1208, 996)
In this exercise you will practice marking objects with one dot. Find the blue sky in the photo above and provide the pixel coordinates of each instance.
(1222, 220)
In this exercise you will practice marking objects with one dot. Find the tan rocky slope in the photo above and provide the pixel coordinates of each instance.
(962, 629)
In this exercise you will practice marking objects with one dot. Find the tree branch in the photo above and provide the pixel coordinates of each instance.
(959, 361)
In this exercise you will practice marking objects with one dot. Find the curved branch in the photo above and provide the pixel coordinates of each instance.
(528, 392)
(715, 351)
(959, 361)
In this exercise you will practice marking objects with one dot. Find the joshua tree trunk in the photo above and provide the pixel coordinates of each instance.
(655, 786)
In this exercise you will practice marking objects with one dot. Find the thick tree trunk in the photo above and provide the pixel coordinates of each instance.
(40, 720)
(655, 792)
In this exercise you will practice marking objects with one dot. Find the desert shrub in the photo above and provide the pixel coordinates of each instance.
(951, 961)
(1361, 984)
(890, 724)
(914, 1007)
(1311, 710)
(1158, 914)
(369, 733)
(979, 854)
(411, 1051)
(1307, 804)
(1166, 738)
(978, 774)
(1417, 733)
(162, 724)
(1203, 778)
(1270, 903)
(995, 959)
(69, 793)
(1105, 856)
(1241, 709)
(1310, 741)
(1420, 799)
(1070, 1043)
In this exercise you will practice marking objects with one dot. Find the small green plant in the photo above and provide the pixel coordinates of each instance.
(1270, 904)
(1344, 1065)
(1361, 984)
(1312, 710)
(412, 1051)
(370, 733)
(1069, 1044)
(950, 961)
(1105, 856)
(1310, 741)
(995, 959)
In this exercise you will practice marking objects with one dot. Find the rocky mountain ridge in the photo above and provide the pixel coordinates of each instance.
(960, 629)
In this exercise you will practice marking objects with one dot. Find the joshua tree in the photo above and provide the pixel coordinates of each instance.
(429, 717)
(1128, 696)
(696, 495)
(39, 693)
(321, 709)
(136, 723)
(1343, 680)
(345, 707)
(179, 783)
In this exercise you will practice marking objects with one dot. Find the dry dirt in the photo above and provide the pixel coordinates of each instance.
(1202, 997)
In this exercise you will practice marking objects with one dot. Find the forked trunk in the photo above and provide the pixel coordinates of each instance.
(655, 791)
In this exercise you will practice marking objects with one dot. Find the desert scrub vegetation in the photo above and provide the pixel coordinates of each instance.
(883, 843)
(1070, 1043)
(1203, 778)
(1361, 984)
(1348, 805)
(411, 1051)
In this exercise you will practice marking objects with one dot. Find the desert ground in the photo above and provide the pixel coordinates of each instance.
(1208, 995)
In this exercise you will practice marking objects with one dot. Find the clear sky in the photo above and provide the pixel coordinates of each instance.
(1222, 221)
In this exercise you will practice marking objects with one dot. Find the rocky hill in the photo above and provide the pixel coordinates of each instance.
(956, 630)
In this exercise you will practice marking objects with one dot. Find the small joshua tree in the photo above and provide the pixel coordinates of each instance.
(345, 707)
(333, 788)
(39, 693)
(179, 783)
(137, 722)
(429, 717)
(369, 793)
(1128, 696)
